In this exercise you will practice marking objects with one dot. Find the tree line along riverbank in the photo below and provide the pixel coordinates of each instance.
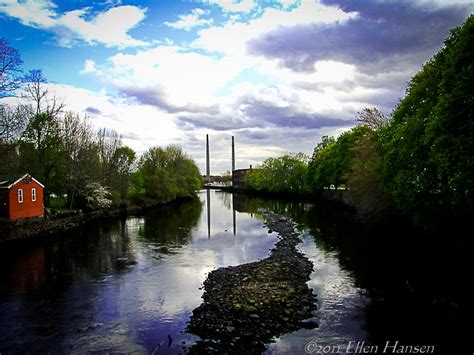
(80, 167)
(418, 162)
(38, 228)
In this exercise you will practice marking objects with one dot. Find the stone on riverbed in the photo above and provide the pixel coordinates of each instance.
(246, 306)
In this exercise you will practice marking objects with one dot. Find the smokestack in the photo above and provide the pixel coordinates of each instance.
(208, 168)
(233, 154)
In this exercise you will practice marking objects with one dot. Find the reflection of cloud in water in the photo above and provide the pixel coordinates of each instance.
(340, 305)
(92, 305)
(164, 287)
(169, 285)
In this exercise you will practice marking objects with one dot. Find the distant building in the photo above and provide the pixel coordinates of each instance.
(214, 179)
(21, 197)
(238, 177)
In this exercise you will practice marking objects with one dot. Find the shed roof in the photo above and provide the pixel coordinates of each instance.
(8, 181)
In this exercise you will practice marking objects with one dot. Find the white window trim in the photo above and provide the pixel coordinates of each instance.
(33, 194)
(20, 195)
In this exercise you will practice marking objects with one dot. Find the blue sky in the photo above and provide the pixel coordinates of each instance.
(275, 74)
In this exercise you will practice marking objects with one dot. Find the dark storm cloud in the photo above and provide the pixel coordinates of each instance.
(214, 122)
(155, 97)
(384, 35)
(254, 134)
(263, 114)
(92, 111)
(252, 113)
(131, 136)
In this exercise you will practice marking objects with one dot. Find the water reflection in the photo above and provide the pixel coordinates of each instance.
(27, 272)
(127, 286)
(380, 282)
(208, 204)
(122, 286)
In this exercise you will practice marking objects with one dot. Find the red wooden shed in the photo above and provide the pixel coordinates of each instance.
(21, 197)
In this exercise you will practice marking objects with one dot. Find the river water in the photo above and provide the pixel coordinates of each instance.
(130, 285)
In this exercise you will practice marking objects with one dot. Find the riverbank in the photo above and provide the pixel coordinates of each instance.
(245, 306)
(438, 221)
(34, 228)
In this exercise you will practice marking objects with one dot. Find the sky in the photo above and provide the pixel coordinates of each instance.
(277, 75)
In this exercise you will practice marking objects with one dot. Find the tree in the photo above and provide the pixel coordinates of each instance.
(12, 123)
(37, 92)
(108, 142)
(287, 174)
(124, 160)
(40, 149)
(227, 178)
(10, 69)
(331, 162)
(96, 196)
(365, 188)
(167, 173)
(372, 118)
(427, 147)
(80, 155)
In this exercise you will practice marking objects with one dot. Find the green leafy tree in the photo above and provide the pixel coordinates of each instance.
(166, 173)
(365, 187)
(124, 161)
(227, 178)
(286, 174)
(40, 150)
(427, 147)
(331, 162)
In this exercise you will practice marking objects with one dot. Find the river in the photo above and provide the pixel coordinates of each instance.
(130, 285)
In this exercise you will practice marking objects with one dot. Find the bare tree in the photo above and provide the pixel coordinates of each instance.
(12, 124)
(372, 118)
(80, 154)
(10, 69)
(109, 142)
(36, 91)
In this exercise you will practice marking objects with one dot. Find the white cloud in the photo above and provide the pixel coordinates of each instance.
(89, 67)
(179, 76)
(185, 84)
(148, 124)
(200, 92)
(244, 6)
(33, 13)
(232, 37)
(109, 27)
(189, 21)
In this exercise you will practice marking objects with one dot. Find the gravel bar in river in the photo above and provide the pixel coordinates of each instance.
(245, 306)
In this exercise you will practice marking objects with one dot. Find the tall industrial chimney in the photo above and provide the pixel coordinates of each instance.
(233, 154)
(208, 167)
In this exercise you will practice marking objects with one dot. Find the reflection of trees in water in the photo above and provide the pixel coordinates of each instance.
(172, 224)
(22, 273)
(62, 303)
(225, 197)
(100, 248)
(416, 281)
(297, 211)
